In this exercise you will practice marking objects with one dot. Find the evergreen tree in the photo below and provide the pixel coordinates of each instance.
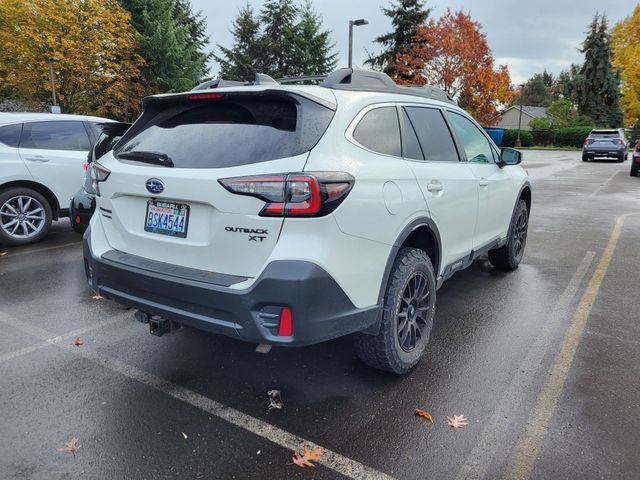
(244, 59)
(536, 91)
(172, 41)
(596, 88)
(280, 38)
(314, 45)
(283, 41)
(406, 16)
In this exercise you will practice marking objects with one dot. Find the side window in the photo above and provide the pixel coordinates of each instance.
(379, 131)
(10, 135)
(475, 144)
(55, 136)
(410, 144)
(433, 134)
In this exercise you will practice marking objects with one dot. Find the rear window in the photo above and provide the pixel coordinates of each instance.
(605, 134)
(231, 131)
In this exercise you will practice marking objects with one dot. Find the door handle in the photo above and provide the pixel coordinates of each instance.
(483, 182)
(434, 187)
(37, 158)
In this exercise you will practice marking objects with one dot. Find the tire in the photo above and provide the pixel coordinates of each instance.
(622, 158)
(37, 209)
(585, 158)
(508, 257)
(634, 172)
(78, 228)
(412, 277)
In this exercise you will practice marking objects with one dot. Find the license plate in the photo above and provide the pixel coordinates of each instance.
(167, 218)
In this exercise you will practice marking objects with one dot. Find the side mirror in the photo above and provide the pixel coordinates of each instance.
(510, 156)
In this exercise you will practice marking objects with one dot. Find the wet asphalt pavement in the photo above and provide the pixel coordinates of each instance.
(544, 362)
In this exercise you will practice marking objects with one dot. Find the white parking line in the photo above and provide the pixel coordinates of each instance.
(10, 254)
(39, 333)
(505, 412)
(336, 462)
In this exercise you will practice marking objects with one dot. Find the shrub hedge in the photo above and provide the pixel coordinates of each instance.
(572, 137)
(510, 136)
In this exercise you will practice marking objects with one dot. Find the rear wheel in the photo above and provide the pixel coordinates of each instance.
(25, 216)
(407, 318)
(508, 257)
(634, 171)
(585, 158)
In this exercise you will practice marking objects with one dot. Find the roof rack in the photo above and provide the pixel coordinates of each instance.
(370, 81)
(342, 79)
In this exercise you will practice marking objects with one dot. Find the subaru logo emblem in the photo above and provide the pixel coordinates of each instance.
(154, 185)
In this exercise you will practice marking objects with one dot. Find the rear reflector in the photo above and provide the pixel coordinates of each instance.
(285, 328)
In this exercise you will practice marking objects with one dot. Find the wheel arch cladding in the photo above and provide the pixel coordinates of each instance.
(525, 194)
(38, 187)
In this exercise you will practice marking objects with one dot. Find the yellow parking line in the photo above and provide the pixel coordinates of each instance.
(528, 447)
(37, 250)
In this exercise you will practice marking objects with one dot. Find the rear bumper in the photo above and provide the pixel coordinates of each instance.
(320, 308)
(81, 208)
(604, 152)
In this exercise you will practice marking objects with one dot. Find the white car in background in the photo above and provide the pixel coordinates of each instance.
(41, 157)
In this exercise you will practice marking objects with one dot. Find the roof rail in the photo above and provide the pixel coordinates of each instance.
(303, 78)
(371, 81)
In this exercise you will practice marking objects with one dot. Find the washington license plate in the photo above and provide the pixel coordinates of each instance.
(167, 218)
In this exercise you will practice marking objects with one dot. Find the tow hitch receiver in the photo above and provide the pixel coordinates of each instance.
(160, 326)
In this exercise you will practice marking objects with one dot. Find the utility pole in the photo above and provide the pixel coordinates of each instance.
(54, 108)
(357, 23)
(518, 141)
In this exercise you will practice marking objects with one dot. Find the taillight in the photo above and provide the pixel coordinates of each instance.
(620, 141)
(294, 194)
(586, 141)
(98, 174)
(85, 166)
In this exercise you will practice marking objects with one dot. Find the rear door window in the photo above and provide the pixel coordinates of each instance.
(379, 131)
(231, 131)
(58, 135)
(433, 134)
(10, 135)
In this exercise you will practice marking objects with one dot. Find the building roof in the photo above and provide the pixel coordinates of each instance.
(533, 112)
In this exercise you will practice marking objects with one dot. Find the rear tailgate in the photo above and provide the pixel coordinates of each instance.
(182, 215)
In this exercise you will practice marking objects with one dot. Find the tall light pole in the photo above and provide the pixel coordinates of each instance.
(518, 141)
(357, 23)
(50, 61)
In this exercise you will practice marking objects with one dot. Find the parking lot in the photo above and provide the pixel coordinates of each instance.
(544, 362)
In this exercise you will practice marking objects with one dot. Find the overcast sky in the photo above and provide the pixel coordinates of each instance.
(528, 36)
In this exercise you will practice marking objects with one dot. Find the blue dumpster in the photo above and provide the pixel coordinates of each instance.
(495, 134)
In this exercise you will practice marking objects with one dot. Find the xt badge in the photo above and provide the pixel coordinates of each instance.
(255, 234)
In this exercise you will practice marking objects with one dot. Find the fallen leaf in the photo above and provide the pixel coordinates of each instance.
(78, 341)
(305, 458)
(275, 399)
(263, 348)
(424, 414)
(72, 446)
(457, 421)
(97, 297)
(2, 254)
(184, 435)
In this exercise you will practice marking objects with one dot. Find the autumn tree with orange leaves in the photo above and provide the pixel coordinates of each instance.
(452, 53)
(98, 67)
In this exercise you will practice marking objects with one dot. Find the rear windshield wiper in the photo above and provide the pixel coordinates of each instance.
(154, 158)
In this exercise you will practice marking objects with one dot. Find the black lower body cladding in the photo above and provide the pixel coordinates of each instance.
(320, 308)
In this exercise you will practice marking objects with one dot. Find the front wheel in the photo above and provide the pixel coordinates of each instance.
(25, 216)
(508, 257)
(407, 317)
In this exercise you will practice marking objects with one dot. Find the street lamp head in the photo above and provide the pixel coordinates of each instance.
(359, 22)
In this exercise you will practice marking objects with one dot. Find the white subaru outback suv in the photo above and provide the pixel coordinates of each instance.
(291, 215)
